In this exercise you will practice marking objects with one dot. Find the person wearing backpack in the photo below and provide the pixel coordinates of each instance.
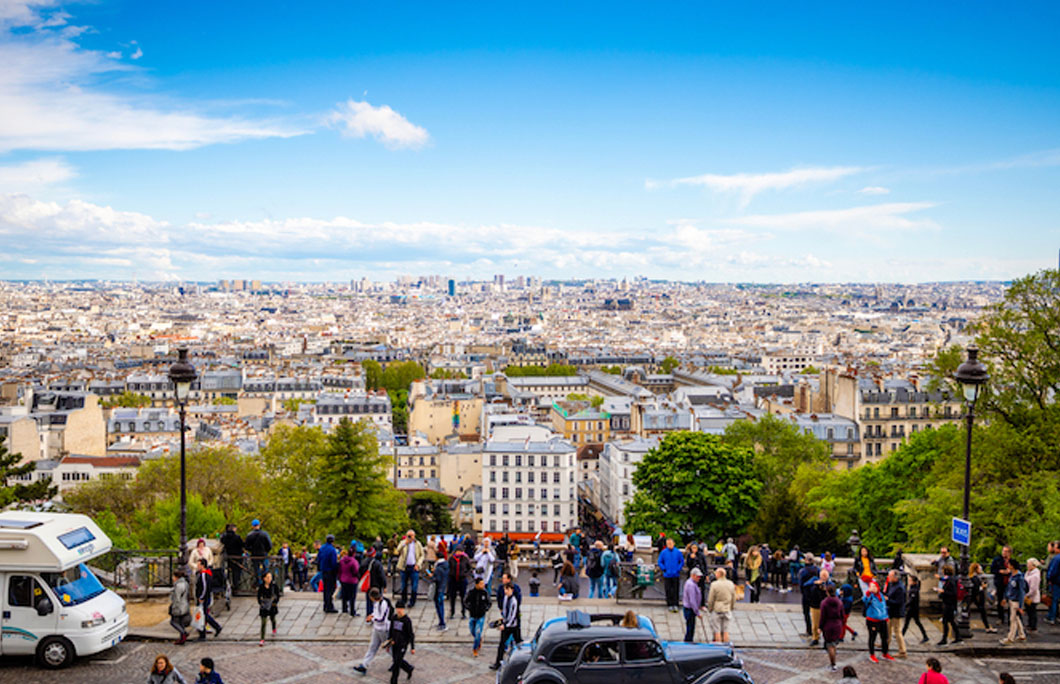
(609, 560)
(459, 571)
(478, 604)
(1015, 592)
(376, 580)
(440, 575)
(594, 569)
(379, 617)
(948, 590)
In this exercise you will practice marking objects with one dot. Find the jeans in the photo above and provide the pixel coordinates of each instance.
(177, 621)
(610, 585)
(329, 590)
(1054, 590)
(209, 621)
(409, 576)
(596, 587)
(348, 592)
(458, 588)
(690, 625)
(261, 566)
(877, 628)
(476, 625)
(439, 605)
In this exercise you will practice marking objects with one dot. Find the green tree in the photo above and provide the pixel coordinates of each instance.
(289, 463)
(612, 370)
(10, 469)
(669, 364)
(780, 448)
(373, 374)
(127, 400)
(553, 369)
(446, 374)
(695, 485)
(225, 401)
(158, 527)
(577, 396)
(429, 513)
(354, 496)
(293, 404)
(399, 376)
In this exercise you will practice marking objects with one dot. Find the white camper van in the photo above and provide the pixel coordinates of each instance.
(52, 605)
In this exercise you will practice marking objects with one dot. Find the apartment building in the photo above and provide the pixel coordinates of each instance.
(529, 486)
(616, 464)
(441, 409)
(580, 423)
(330, 409)
(133, 424)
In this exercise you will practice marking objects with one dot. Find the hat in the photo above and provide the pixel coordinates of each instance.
(399, 604)
(696, 572)
(255, 522)
(330, 538)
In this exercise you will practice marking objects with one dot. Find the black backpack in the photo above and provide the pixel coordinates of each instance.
(592, 566)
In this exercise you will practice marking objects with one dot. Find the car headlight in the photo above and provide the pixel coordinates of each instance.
(94, 622)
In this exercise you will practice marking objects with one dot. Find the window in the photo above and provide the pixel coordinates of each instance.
(504, 509)
(518, 476)
(504, 492)
(868, 413)
(504, 459)
(518, 492)
(23, 591)
(504, 525)
(555, 493)
(876, 412)
(530, 460)
(555, 526)
(894, 412)
(530, 477)
(544, 494)
(555, 476)
(912, 411)
(493, 509)
(504, 476)
(493, 459)
(556, 509)
(529, 508)
(493, 476)
(518, 459)
(565, 654)
(643, 650)
(518, 525)
(601, 652)
(493, 492)
(421, 473)
(850, 433)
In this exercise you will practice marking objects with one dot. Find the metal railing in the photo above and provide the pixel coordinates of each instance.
(149, 572)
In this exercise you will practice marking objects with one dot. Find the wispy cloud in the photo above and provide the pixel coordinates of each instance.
(359, 119)
(867, 221)
(747, 185)
(875, 190)
(52, 101)
(32, 175)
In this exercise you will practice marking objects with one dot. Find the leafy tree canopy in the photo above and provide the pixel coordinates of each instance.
(536, 371)
(127, 400)
(429, 513)
(11, 467)
(669, 364)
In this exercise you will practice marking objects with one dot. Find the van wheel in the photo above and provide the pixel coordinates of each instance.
(55, 652)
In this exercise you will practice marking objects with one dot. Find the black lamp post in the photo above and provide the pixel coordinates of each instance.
(971, 375)
(854, 542)
(182, 374)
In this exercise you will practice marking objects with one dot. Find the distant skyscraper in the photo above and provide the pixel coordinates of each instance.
(452, 287)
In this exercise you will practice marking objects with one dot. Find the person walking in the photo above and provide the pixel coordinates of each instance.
(208, 672)
(670, 562)
(179, 606)
(440, 575)
(611, 571)
(594, 570)
(846, 595)
(508, 581)
(376, 580)
(204, 599)
(818, 593)
(933, 674)
(1052, 577)
(1034, 593)
(268, 603)
(349, 575)
(721, 600)
(557, 564)
(163, 672)
(1002, 567)
(691, 602)
(410, 558)
(876, 620)
(233, 546)
(328, 563)
(1015, 592)
(948, 593)
(485, 559)
(379, 617)
(894, 594)
(912, 608)
(478, 604)
(833, 623)
(259, 546)
(977, 597)
(402, 639)
(753, 573)
(807, 576)
(459, 572)
(509, 623)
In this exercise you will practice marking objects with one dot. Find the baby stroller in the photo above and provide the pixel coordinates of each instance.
(220, 587)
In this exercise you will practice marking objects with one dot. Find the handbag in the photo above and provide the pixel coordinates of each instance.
(198, 620)
(366, 581)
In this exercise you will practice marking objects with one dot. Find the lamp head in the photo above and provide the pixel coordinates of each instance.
(972, 375)
(182, 374)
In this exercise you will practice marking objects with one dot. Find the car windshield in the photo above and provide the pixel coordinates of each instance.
(75, 585)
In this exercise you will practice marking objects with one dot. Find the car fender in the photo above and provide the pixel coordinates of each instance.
(545, 675)
(725, 675)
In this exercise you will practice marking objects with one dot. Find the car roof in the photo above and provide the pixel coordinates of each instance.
(560, 633)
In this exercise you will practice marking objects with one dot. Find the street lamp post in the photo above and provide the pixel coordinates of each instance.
(182, 374)
(971, 375)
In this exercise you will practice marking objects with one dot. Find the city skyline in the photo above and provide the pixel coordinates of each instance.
(831, 144)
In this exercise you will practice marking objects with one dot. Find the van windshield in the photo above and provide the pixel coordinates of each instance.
(75, 585)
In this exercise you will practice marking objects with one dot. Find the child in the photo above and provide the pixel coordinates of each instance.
(207, 675)
(535, 584)
(401, 639)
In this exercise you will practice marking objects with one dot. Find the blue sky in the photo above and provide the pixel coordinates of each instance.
(699, 141)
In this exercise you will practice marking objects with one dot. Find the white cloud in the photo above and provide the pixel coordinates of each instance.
(873, 221)
(875, 190)
(138, 54)
(747, 185)
(34, 174)
(51, 100)
(359, 119)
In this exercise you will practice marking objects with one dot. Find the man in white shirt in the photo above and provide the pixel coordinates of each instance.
(410, 557)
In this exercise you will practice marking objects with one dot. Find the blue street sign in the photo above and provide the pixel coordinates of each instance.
(961, 532)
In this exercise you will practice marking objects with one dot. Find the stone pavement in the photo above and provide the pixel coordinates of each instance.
(754, 625)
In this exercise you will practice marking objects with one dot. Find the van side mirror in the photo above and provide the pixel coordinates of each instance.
(44, 606)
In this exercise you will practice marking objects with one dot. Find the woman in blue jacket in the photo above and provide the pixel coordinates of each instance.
(876, 620)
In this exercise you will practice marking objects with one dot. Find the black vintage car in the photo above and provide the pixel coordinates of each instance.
(585, 649)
